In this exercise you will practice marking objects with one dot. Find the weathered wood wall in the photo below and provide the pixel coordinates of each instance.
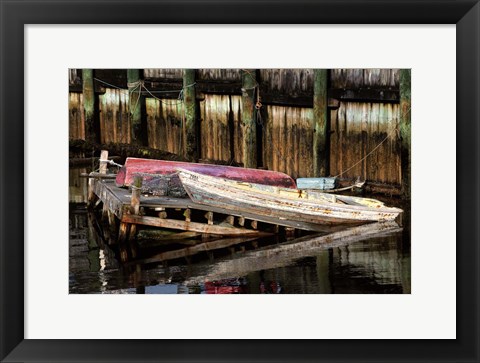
(291, 82)
(223, 75)
(363, 112)
(356, 130)
(362, 78)
(220, 128)
(165, 120)
(166, 73)
(76, 116)
(114, 107)
(288, 140)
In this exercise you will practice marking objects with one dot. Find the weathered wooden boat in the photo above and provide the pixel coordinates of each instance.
(135, 166)
(284, 203)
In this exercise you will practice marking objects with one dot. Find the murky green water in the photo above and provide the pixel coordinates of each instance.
(376, 264)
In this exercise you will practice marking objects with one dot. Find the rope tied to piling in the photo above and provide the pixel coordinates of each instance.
(111, 162)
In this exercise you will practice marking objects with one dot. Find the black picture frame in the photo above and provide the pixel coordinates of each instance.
(15, 14)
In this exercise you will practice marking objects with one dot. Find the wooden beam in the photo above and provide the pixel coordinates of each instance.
(405, 129)
(89, 105)
(189, 104)
(188, 226)
(320, 125)
(136, 104)
(249, 84)
(385, 95)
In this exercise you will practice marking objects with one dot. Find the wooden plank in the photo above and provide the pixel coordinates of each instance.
(188, 226)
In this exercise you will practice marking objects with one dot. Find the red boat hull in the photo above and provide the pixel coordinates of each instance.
(136, 165)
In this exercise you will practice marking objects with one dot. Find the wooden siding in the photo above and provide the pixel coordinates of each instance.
(76, 116)
(220, 128)
(288, 140)
(74, 76)
(220, 75)
(359, 78)
(165, 120)
(168, 73)
(291, 82)
(114, 116)
(356, 130)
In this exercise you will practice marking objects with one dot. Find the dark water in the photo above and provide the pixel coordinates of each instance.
(376, 264)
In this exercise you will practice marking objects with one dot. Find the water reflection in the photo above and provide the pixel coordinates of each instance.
(366, 259)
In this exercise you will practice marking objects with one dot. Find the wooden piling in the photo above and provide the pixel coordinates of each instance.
(89, 105)
(136, 191)
(135, 209)
(188, 215)
(189, 104)
(405, 129)
(136, 103)
(209, 216)
(103, 164)
(249, 84)
(320, 125)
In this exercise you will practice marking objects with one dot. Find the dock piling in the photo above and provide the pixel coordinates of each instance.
(320, 108)
(249, 84)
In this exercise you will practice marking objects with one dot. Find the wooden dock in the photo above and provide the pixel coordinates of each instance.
(124, 211)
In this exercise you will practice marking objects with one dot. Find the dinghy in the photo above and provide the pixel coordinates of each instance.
(284, 203)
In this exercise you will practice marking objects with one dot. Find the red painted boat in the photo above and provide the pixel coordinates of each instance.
(148, 166)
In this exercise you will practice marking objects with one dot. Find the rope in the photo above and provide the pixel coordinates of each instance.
(356, 185)
(111, 162)
(366, 156)
(106, 83)
(395, 130)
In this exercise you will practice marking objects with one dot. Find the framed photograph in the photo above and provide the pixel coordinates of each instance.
(44, 318)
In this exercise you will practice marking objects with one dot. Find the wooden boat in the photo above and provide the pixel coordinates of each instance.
(284, 203)
(163, 167)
